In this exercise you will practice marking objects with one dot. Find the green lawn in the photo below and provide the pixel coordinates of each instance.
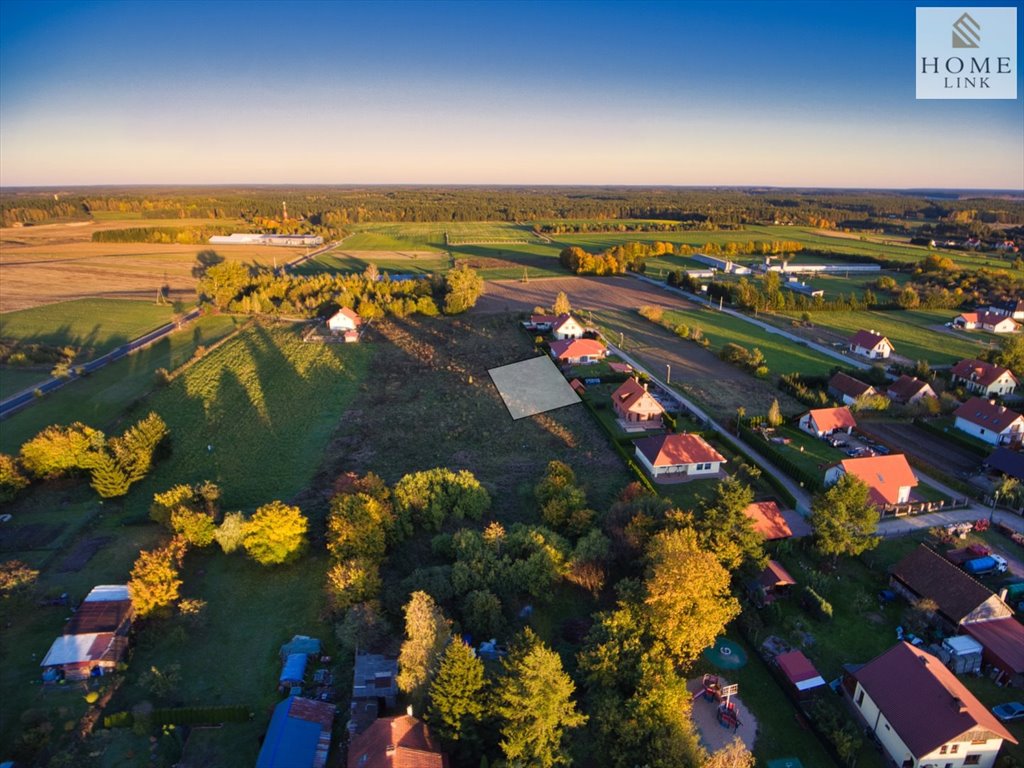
(912, 332)
(806, 451)
(14, 380)
(101, 398)
(94, 325)
(781, 354)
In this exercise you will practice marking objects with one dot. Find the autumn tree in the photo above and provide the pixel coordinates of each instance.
(230, 532)
(430, 497)
(222, 283)
(358, 526)
(686, 594)
(427, 634)
(57, 450)
(844, 519)
(196, 527)
(275, 534)
(456, 702)
(462, 288)
(733, 755)
(724, 528)
(136, 448)
(775, 414)
(534, 703)
(352, 581)
(12, 480)
(15, 575)
(1011, 354)
(561, 305)
(154, 580)
(107, 477)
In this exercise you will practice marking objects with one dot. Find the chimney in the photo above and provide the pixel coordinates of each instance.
(408, 710)
(959, 705)
(645, 386)
(1002, 594)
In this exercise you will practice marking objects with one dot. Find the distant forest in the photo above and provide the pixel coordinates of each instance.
(331, 209)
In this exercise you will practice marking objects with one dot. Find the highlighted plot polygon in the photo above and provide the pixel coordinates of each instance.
(532, 386)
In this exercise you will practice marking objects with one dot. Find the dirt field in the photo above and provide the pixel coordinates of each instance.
(612, 303)
(911, 439)
(58, 262)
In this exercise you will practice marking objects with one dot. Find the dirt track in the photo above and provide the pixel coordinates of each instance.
(915, 441)
(613, 301)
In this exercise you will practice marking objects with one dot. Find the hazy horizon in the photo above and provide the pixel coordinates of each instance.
(809, 95)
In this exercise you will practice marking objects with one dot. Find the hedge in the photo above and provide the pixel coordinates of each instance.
(633, 467)
(771, 479)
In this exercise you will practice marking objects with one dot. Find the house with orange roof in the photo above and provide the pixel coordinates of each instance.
(567, 327)
(921, 714)
(396, 742)
(768, 520)
(578, 351)
(871, 344)
(633, 403)
(678, 456)
(345, 319)
(907, 390)
(822, 422)
(989, 421)
(992, 322)
(985, 379)
(889, 478)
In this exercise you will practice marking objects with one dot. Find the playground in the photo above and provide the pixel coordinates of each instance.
(719, 714)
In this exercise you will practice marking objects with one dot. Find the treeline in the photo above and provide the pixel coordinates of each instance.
(180, 235)
(234, 287)
(699, 222)
(340, 206)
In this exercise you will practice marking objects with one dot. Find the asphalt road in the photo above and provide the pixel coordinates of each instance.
(27, 397)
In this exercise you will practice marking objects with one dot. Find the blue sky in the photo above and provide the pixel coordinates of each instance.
(730, 93)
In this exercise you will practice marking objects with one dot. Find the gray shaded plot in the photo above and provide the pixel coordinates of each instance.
(532, 386)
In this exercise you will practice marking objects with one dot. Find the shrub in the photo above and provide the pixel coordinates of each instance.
(230, 532)
(818, 606)
(275, 534)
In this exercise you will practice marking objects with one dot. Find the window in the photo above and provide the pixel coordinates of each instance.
(944, 749)
(954, 749)
(972, 760)
(860, 698)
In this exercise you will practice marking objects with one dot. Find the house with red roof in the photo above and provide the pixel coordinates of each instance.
(578, 351)
(345, 319)
(678, 456)
(871, 344)
(847, 389)
(822, 422)
(992, 322)
(907, 390)
(772, 583)
(567, 327)
(922, 714)
(989, 421)
(888, 478)
(396, 742)
(1002, 642)
(768, 520)
(985, 379)
(800, 673)
(633, 403)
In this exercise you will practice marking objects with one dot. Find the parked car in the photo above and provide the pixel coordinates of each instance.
(1013, 710)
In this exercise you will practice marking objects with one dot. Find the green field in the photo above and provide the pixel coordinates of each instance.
(14, 380)
(511, 262)
(339, 261)
(781, 354)
(101, 398)
(411, 236)
(917, 334)
(94, 325)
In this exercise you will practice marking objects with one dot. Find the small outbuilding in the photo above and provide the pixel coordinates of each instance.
(345, 319)
(1002, 642)
(293, 672)
(800, 673)
(962, 654)
(768, 520)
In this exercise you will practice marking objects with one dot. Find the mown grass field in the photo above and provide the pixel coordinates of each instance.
(414, 262)
(95, 326)
(103, 398)
(781, 354)
(917, 334)
(14, 380)
(431, 235)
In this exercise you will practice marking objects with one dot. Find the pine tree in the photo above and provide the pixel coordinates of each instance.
(534, 702)
(107, 477)
(775, 414)
(456, 694)
(427, 634)
(844, 519)
(561, 306)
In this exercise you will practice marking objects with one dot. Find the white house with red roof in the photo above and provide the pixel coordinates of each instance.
(986, 379)
(871, 344)
(768, 520)
(567, 327)
(676, 455)
(849, 390)
(343, 320)
(922, 715)
(989, 421)
(889, 478)
(632, 402)
(578, 351)
(992, 322)
(822, 422)
(907, 390)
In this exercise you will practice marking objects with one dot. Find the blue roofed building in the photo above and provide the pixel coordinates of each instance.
(299, 735)
(294, 670)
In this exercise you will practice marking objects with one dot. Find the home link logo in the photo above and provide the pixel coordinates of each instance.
(966, 32)
(966, 53)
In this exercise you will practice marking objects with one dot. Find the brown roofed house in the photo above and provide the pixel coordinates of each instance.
(822, 422)
(871, 344)
(990, 422)
(985, 379)
(960, 598)
(632, 402)
(847, 389)
(922, 714)
(907, 390)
